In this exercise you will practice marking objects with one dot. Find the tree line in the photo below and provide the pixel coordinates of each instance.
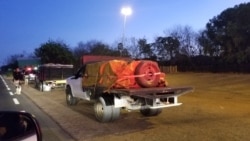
(223, 46)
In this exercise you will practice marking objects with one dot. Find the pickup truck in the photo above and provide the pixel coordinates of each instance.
(115, 83)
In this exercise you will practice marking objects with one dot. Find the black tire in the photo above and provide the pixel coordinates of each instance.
(36, 83)
(70, 99)
(148, 68)
(104, 113)
(150, 112)
(40, 87)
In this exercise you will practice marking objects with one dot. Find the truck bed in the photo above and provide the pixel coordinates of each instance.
(48, 72)
(157, 92)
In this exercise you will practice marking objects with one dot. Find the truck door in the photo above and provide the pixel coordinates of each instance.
(76, 85)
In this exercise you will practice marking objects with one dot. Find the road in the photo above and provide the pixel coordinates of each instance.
(13, 102)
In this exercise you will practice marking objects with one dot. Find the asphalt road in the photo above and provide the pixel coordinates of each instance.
(9, 101)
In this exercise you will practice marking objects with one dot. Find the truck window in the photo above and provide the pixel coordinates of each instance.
(80, 72)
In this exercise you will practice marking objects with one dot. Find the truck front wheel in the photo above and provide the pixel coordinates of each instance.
(70, 99)
(105, 112)
(150, 112)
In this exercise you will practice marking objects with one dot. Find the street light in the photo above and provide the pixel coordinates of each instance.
(126, 11)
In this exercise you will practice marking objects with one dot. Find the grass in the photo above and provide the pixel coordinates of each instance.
(220, 83)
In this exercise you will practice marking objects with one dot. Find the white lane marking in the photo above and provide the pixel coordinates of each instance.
(8, 88)
(6, 85)
(16, 101)
(11, 93)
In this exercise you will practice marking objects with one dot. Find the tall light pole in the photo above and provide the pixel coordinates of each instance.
(126, 11)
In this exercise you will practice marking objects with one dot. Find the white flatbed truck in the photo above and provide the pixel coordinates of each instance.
(109, 102)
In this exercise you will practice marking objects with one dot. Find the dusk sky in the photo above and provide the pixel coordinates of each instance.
(26, 24)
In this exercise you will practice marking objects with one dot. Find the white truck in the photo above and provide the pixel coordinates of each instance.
(114, 83)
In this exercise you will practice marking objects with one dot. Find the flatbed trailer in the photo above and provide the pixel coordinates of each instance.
(50, 76)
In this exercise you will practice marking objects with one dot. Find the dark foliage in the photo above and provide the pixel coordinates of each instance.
(54, 52)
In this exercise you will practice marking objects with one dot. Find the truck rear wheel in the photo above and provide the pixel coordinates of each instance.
(150, 112)
(105, 112)
(36, 83)
(70, 99)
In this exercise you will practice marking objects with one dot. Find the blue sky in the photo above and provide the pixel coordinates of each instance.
(26, 24)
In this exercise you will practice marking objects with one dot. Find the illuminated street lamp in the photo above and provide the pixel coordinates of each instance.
(126, 11)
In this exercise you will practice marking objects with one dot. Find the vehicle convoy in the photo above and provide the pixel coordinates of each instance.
(113, 83)
(51, 76)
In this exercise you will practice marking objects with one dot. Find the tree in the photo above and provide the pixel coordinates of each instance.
(132, 48)
(94, 47)
(80, 50)
(229, 33)
(167, 47)
(187, 38)
(54, 52)
(11, 61)
(145, 49)
(208, 48)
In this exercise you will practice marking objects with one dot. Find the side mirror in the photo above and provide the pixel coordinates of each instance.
(19, 126)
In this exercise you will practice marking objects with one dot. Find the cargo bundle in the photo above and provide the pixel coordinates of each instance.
(124, 74)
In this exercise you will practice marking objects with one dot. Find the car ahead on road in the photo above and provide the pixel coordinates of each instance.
(30, 73)
(113, 83)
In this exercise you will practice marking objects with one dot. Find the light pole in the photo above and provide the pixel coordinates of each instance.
(126, 11)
